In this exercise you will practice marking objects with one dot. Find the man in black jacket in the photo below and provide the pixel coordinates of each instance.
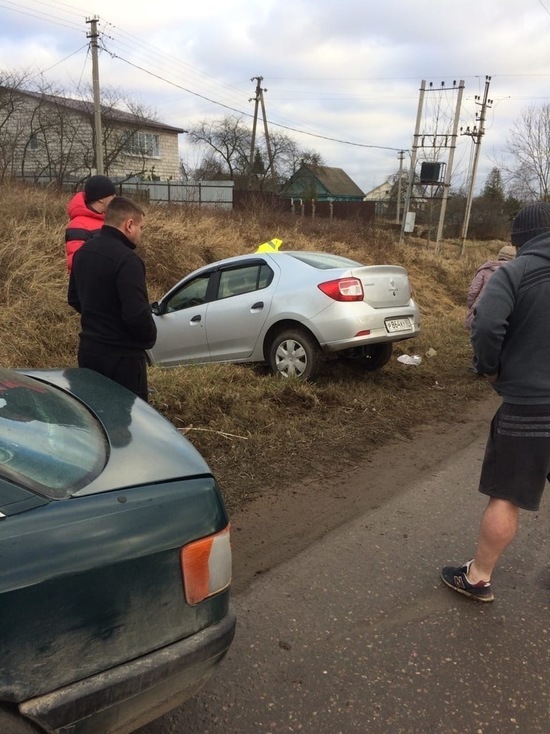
(511, 342)
(107, 288)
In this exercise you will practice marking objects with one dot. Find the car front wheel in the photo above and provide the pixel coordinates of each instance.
(294, 353)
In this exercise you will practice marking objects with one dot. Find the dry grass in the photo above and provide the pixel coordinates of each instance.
(257, 432)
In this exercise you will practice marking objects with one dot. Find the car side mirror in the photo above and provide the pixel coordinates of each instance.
(156, 308)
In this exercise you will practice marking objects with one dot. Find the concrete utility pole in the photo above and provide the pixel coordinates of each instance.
(415, 147)
(93, 35)
(400, 156)
(259, 99)
(476, 133)
(448, 172)
(436, 141)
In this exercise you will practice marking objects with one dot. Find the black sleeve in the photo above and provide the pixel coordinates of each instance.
(72, 294)
(136, 309)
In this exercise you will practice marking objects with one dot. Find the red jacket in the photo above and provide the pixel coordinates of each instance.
(84, 223)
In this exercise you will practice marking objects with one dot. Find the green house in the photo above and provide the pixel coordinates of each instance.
(322, 183)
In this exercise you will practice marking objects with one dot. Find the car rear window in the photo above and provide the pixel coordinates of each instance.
(49, 442)
(324, 260)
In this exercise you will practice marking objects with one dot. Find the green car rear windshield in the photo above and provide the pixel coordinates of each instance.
(49, 442)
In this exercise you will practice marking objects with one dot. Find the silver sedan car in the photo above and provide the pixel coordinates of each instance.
(289, 310)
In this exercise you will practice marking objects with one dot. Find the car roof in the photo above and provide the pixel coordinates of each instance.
(301, 255)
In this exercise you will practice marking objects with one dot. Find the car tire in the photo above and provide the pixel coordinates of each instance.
(16, 724)
(295, 353)
(372, 357)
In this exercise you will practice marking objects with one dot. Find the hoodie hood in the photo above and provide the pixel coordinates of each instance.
(539, 246)
(77, 208)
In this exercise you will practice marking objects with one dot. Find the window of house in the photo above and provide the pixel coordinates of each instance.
(142, 143)
(33, 142)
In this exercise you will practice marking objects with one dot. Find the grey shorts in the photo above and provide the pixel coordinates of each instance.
(516, 465)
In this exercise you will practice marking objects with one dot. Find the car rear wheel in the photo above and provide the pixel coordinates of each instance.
(371, 357)
(14, 724)
(295, 353)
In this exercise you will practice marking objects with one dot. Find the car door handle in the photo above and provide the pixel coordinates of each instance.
(257, 306)
(196, 319)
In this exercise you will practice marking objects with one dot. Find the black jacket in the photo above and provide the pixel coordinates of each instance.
(511, 328)
(107, 287)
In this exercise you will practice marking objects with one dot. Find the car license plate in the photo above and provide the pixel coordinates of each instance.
(393, 325)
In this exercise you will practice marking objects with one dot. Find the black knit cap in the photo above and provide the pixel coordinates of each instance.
(97, 187)
(532, 220)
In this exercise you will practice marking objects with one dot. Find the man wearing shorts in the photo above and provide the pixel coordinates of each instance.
(511, 343)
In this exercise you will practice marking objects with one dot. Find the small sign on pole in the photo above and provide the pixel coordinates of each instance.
(409, 222)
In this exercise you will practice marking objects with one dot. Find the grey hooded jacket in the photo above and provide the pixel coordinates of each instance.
(511, 326)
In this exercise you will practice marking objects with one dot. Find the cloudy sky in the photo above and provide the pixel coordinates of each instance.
(342, 76)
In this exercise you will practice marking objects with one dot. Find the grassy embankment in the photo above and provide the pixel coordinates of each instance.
(255, 431)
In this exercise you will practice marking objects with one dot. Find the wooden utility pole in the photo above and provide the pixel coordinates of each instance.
(476, 133)
(93, 35)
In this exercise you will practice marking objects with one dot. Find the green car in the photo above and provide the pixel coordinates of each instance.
(115, 558)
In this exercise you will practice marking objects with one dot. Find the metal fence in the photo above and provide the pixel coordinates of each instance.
(204, 193)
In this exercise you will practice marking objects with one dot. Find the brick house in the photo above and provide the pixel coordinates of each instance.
(46, 137)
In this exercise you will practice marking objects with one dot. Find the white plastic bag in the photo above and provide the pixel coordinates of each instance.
(410, 359)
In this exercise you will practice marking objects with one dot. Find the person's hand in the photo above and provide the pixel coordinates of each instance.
(491, 378)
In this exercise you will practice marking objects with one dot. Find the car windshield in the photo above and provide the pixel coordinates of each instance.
(323, 260)
(49, 442)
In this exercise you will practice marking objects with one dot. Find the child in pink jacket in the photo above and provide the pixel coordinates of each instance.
(479, 281)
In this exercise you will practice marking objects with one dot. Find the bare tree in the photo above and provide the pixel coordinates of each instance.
(47, 133)
(12, 127)
(121, 135)
(226, 143)
(528, 172)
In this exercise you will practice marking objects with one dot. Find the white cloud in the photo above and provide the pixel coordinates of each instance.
(343, 69)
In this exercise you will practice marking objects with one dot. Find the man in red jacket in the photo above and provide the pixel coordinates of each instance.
(86, 212)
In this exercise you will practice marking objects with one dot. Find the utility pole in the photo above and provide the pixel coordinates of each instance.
(256, 99)
(436, 141)
(93, 35)
(400, 156)
(476, 133)
(268, 143)
(415, 147)
(448, 172)
(259, 100)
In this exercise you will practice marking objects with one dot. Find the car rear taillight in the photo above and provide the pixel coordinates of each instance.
(343, 289)
(206, 566)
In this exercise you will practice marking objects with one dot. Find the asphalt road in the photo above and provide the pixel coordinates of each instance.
(358, 634)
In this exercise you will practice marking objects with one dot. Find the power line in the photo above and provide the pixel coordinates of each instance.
(60, 21)
(40, 15)
(247, 114)
(43, 71)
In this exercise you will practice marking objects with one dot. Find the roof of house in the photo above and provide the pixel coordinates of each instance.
(86, 107)
(335, 180)
(382, 191)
